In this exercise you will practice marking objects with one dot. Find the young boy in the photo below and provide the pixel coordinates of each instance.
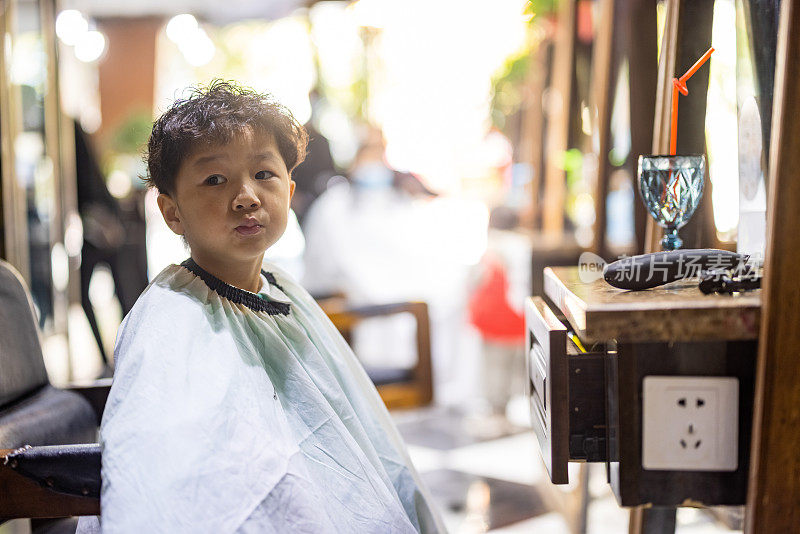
(236, 406)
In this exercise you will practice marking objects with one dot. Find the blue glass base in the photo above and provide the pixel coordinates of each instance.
(671, 241)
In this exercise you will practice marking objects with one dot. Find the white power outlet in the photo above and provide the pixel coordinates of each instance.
(690, 423)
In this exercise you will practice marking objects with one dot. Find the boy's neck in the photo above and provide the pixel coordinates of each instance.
(245, 276)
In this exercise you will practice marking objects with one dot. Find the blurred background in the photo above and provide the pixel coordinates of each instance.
(457, 147)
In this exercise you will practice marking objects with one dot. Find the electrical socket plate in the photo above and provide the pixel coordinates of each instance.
(690, 423)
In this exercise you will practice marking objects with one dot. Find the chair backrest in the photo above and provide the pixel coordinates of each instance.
(22, 369)
(32, 412)
(399, 388)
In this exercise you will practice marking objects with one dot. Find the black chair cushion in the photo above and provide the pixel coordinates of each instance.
(50, 416)
(21, 359)
(68, 469)
(382, 376)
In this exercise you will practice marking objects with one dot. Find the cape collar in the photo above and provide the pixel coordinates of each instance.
(240, 296)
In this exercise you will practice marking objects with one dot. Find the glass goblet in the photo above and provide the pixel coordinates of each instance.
(671, 188)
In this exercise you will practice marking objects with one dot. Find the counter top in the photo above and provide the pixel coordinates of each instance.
(678, 311)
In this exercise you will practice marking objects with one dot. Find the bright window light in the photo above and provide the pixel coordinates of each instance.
(90, 46)
(198, 49)
(721, 122)
(181, 28)
(71, 26)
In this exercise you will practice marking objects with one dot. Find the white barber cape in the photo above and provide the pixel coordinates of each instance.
(237, 412)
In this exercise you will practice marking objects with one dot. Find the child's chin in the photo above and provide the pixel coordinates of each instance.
(248, 248)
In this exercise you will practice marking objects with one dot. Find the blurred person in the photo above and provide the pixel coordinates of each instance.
(382, 236)
(113, 234)
(358, 230)
(236, 406)
(496, 310)
(312, 175)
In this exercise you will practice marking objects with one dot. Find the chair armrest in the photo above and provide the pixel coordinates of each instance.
(52, 481)
(95, 392)
(349, 316)
(321, 297)
(346, 318)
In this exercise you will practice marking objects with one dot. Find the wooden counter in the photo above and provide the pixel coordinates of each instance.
(670, 332)
(674, 312)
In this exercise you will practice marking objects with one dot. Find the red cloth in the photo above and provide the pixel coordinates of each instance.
(489, 310)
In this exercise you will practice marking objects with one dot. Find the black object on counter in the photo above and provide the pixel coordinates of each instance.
(728, 281)
(646, 271)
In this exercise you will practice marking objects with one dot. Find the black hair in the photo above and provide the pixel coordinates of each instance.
(215, 114)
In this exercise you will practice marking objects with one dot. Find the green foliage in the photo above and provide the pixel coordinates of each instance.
(541, 7)
(507, 87)
(132, 134)
(572, 163)
(508, 83)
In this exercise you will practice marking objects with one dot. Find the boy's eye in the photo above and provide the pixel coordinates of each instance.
(215, 179)
(263, 175)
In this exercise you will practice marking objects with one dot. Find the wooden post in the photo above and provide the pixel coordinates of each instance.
(774, 488)
(603, 81)
(653, 520)
(666, 70)
(560, 92)
(638, 35)
(532, 129)
(687, 35)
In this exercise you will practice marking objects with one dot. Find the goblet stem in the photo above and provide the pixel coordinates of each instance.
(671, 241)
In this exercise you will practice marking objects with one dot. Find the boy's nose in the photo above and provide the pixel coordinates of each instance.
(246, 199)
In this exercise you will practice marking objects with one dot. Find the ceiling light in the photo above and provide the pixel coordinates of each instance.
(181, 28)
(70, 26)
(90, 46)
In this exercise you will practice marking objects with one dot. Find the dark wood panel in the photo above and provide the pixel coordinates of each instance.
(774, 498)
(548, 386)
(634, 485)
(587, 414)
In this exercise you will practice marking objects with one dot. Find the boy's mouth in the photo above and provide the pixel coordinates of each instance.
(249, 228)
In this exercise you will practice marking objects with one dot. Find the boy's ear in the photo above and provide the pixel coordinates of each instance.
(292, 184)
(170, 212)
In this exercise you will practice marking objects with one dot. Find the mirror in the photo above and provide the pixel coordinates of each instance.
(756, 43)
(33, 166)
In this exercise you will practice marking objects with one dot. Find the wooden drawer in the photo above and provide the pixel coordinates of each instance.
(566, 391)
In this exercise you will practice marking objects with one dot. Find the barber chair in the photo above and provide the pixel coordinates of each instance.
(49, 463)
(398, 387)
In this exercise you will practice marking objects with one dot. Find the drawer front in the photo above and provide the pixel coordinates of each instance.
(588, 430)
(547, 385)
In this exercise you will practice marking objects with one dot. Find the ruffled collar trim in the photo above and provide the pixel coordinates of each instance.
(237, 295)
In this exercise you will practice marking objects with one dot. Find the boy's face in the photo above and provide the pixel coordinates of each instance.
(230, 201)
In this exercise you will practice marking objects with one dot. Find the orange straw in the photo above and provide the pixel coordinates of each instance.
(679, 85)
